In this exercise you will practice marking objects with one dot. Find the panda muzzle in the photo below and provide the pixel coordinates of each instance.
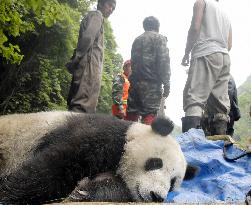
(156, 197)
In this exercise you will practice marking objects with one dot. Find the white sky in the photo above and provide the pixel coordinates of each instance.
(175, 17)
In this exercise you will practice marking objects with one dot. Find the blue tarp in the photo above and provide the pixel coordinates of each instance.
(218, 180)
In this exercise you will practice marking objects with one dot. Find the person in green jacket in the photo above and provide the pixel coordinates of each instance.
(150, 78)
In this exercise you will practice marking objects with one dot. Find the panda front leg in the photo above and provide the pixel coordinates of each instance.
(106, 187)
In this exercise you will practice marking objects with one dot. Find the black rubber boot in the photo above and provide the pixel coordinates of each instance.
(189, 122)
(230, 131)
(218, 127)
(218, 124)
(230, 127)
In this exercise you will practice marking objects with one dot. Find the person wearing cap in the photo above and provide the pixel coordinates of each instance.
(87, 61)
(120, 89)
(150, 72)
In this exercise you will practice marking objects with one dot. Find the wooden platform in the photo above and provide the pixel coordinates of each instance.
(110, 203)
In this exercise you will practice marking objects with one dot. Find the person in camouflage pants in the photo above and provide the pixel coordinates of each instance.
(150, 71)
(87, 61)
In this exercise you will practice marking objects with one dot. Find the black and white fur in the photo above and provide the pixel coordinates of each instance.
(107, 187)
(44, 155)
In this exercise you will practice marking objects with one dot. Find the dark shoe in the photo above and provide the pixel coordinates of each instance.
(230, 131)
(76, 108)
(218, 127)
(218, 124)
(189, 122)
(205, 125)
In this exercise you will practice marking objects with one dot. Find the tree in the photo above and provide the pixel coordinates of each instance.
(37, 38)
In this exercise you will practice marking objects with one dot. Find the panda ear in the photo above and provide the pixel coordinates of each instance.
(191, 172)
(162, 126)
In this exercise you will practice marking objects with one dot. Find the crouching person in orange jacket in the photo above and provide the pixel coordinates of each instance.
(120, 89)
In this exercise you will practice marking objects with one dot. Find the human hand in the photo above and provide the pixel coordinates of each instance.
(166, 91)
(72, 64)
(185, 60)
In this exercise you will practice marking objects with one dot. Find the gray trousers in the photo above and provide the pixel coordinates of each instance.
(85, 87)
(207, 75)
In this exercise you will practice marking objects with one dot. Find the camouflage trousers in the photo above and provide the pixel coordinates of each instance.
(144, 98)
(85, 87)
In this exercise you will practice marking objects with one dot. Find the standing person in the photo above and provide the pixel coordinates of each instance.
(209, 41)
(120, 89)
(234, 114)
(87, 61)
(150, 70)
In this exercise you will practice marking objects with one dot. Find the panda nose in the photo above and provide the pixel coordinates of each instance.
(156, 197)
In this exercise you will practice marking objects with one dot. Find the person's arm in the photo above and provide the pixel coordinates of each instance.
(194, 30)
(230, 39)
(117, 91)
(163, 60)
(88, 35)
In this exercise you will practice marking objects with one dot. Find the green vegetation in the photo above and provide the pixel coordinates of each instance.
(176, 131)
(243, 126)
(37, 38)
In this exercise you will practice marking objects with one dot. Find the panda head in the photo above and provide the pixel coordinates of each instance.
(153, 163)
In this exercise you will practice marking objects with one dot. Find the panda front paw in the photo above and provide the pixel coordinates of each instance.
(80, 193)
(78, 196)
(105, 187)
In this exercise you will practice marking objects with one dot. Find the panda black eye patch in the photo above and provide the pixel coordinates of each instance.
(153, 164)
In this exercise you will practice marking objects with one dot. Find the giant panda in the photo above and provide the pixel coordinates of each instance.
(44, 156)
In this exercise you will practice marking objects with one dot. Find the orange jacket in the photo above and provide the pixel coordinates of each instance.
(121, 104)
